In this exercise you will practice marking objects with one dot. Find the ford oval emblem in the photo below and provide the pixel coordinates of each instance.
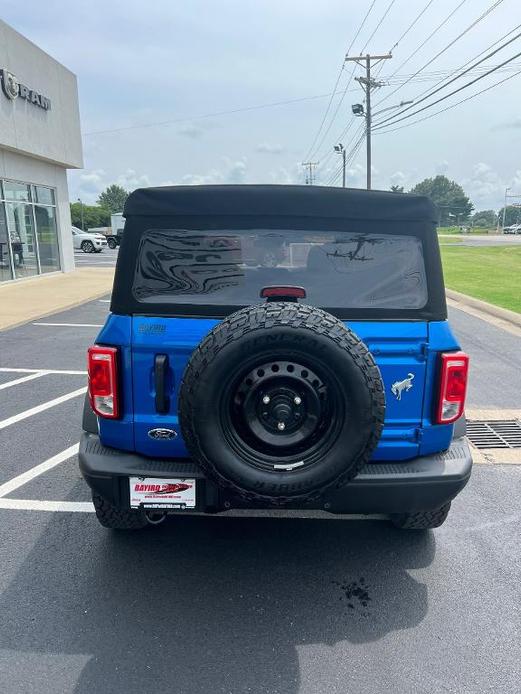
(162, 434)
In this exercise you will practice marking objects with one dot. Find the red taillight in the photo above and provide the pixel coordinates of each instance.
(453, 386)
(103, 381)
(283, 292)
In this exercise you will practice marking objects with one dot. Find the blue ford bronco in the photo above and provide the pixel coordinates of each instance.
(276, 347)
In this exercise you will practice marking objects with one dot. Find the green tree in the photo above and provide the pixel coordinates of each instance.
(396, 189)
(453, 204)
(113, 198)
(485, 218)
(512, 215)
(93, 216)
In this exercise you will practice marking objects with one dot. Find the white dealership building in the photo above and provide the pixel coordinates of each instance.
(39, 140)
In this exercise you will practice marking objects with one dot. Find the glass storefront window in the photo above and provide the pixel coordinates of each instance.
(5, 253)
(21, 234)
(28, 230)
(17, 191)
(47, 238)
(45, 196)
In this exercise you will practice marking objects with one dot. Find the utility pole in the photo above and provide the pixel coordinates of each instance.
(340, 149)
(81, 212)
(369, 84)
(505, 209)
(310, 175)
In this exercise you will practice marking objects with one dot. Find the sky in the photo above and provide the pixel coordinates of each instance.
(158, 80)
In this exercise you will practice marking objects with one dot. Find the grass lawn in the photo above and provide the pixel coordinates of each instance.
(490, 273)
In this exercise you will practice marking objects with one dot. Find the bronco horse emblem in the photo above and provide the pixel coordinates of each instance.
(398, 387)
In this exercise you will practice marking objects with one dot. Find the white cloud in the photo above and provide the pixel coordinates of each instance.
(87, 185)
(232, 172)
(130, 180)
(286, 176)
(441, 167)
(484, 186)
(398, 178)
(267, 148)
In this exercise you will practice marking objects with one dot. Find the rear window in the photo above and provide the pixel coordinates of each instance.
(339, 270)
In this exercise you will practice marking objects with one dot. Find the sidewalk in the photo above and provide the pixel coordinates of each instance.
(37, 297)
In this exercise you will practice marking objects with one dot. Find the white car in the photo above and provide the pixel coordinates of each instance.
(88, 243)
(512, 229)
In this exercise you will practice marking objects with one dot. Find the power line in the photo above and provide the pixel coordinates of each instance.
(404, 34)
(445, 74)
(432, 92)
(215, 114)
(408, 29)
(412, 25)
(273, 104)
(349, 158)
(359, 136)
(338, 80)
(389, 7)
(446, 96)
(429, 37)
(369, 85)
(450, 44)
(447, 108)
(341, 100)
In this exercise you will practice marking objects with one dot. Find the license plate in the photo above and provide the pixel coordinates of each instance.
(155, 492)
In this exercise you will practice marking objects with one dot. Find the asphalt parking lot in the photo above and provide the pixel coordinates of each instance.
(107, 258)
(242, 604)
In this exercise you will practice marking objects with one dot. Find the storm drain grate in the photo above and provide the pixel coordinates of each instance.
(495, 433)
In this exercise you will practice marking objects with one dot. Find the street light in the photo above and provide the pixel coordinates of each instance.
(389, 108)
(340, 149)
(505, 208)
(81, 213)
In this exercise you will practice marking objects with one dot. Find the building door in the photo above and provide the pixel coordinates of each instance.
(20, 225)
(6, 266)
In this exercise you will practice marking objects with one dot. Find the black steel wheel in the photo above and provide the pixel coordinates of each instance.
(282, 414)
(280, 402)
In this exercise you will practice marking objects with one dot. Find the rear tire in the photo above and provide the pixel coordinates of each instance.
(111, 244)
(117, 518)
(281, 402)
(421, 520)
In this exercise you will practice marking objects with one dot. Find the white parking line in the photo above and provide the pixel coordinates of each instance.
(35, 505)
(104, 301)
(48, 464)
(23, 379)
(71, 325)
(40, 408)
(66, 372)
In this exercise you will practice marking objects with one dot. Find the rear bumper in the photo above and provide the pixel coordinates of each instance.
(415, 485)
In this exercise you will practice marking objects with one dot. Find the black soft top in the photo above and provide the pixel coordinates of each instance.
(263, 207)
(279, 201)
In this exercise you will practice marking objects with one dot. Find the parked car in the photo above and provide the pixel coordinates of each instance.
(328, 378)
(88, 243)
(512, 229)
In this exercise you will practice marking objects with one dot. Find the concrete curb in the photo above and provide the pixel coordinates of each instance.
(485, 307)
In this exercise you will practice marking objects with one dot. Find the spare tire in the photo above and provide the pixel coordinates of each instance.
(280, 402)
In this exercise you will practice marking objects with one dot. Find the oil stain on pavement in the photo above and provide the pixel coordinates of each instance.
(356, 594)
